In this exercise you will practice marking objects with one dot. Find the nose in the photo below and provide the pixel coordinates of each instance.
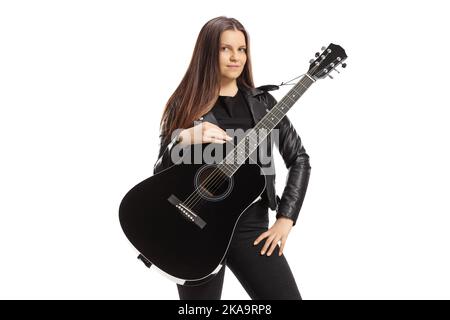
(234, 52)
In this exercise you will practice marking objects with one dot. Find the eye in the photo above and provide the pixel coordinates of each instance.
(243, 49)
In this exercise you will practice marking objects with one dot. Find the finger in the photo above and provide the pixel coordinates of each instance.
(213, 140)
(220, 132)
(217, 135)
(283, 243)
(266, 245)
(212, 137)
(273, 246)
(218, 141)
(261, 236)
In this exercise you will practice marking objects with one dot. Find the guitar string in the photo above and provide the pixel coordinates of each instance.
(278, 120)
(216, 173)
(218, 181)
(215, 179)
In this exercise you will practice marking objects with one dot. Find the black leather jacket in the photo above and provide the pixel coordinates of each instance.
(290, 147)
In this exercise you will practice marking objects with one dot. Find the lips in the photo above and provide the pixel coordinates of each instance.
(232, 66)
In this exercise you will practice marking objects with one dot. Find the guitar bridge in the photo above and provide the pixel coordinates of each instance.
(186, 213)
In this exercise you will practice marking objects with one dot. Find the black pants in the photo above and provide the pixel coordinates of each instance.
(262, 276)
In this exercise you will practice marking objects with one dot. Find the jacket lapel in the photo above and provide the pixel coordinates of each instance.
(257, 108)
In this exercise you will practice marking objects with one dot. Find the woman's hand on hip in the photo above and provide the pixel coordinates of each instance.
(278, 232)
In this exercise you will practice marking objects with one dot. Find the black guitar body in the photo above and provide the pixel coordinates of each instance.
(182, 228)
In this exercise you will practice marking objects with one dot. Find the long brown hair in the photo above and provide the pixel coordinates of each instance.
(199, 89)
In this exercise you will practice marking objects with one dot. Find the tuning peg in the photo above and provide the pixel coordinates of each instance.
(311, 61)
(344, 65)
(317, 54)
(323, 48)
(330, 76)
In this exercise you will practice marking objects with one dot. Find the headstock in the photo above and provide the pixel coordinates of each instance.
(327, 61)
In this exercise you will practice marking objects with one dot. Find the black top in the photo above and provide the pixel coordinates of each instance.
(234, 113)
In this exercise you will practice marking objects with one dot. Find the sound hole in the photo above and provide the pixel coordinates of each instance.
(212, 184)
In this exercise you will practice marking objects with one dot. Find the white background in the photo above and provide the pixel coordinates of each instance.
(82, 89)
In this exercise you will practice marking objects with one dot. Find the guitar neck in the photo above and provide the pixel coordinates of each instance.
(248, 144)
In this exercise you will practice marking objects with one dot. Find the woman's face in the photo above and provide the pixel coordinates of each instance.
(232, 54)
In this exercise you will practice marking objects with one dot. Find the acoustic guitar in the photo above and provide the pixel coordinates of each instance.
(182, 219)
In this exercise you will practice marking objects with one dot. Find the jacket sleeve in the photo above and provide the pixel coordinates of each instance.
(296, 160)
(166, 148)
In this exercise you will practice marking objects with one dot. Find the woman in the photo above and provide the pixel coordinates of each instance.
(215, 95)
